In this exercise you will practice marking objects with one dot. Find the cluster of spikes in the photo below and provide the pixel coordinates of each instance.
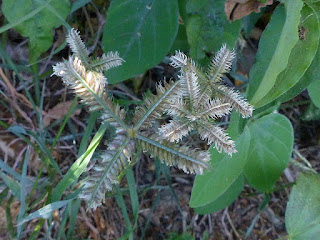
(193, 102)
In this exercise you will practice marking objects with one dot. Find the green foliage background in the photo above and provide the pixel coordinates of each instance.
(144, 32)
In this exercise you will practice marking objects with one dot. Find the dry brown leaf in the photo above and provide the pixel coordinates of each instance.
(237, 9)
(59, 111)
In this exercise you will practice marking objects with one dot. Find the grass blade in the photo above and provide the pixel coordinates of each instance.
(11, 184)
(45, 212)
(79, 166)
(133, 195)
(23, 193)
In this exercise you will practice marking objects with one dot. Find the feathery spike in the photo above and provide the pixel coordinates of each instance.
(239, 103)
(175, 130)
(106, 62)
(216, 135)
(70, 72)
(188, 159)
(77, 46)
(178, 60)
(115, 172)
(221, 63)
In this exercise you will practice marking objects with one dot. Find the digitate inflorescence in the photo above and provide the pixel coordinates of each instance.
(194, 102)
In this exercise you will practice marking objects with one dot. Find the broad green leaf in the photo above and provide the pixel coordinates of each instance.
(225, 199)
(237, 125)
(303, 209)
(314, 92)
(312, 113)
(142, 31)
(313, 72)
(275, 46)
(37, 28)
(225, 170)
(78, 4)
(208, 27)
(270, 150)
(297, 61)
(180, 43)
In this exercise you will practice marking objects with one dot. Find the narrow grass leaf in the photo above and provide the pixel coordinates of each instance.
(73, 212)
(45, 212)
(79, 166)
(11, 184)
(45, 151)
(133, 194)
(17, 129)
(122, 205)
(23, 193)
(67, 117)
(87, 133)
(6, 168)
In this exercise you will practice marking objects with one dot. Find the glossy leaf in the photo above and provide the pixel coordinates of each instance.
(208, 27)
(225, 199)
(312, 113)
(275, 47)
(314, 92)
(270, 150)
(303, 209)
(37, 28)
(225, 170)
(142, 32)
(313, 72)
(308, 45)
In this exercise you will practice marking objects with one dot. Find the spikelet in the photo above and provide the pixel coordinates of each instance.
(154, 105)
(106, 62)
(220, 64)
(188, 159)
(179, 60)
(216, 135)
(175, 130)
(177, 107)
(72, 71)
(193, 107)
(107, 171)
(214, 108)
(78, 47)
(237, 102)
(189, 85)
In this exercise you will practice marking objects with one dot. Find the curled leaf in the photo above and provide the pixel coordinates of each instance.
(237, 9)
